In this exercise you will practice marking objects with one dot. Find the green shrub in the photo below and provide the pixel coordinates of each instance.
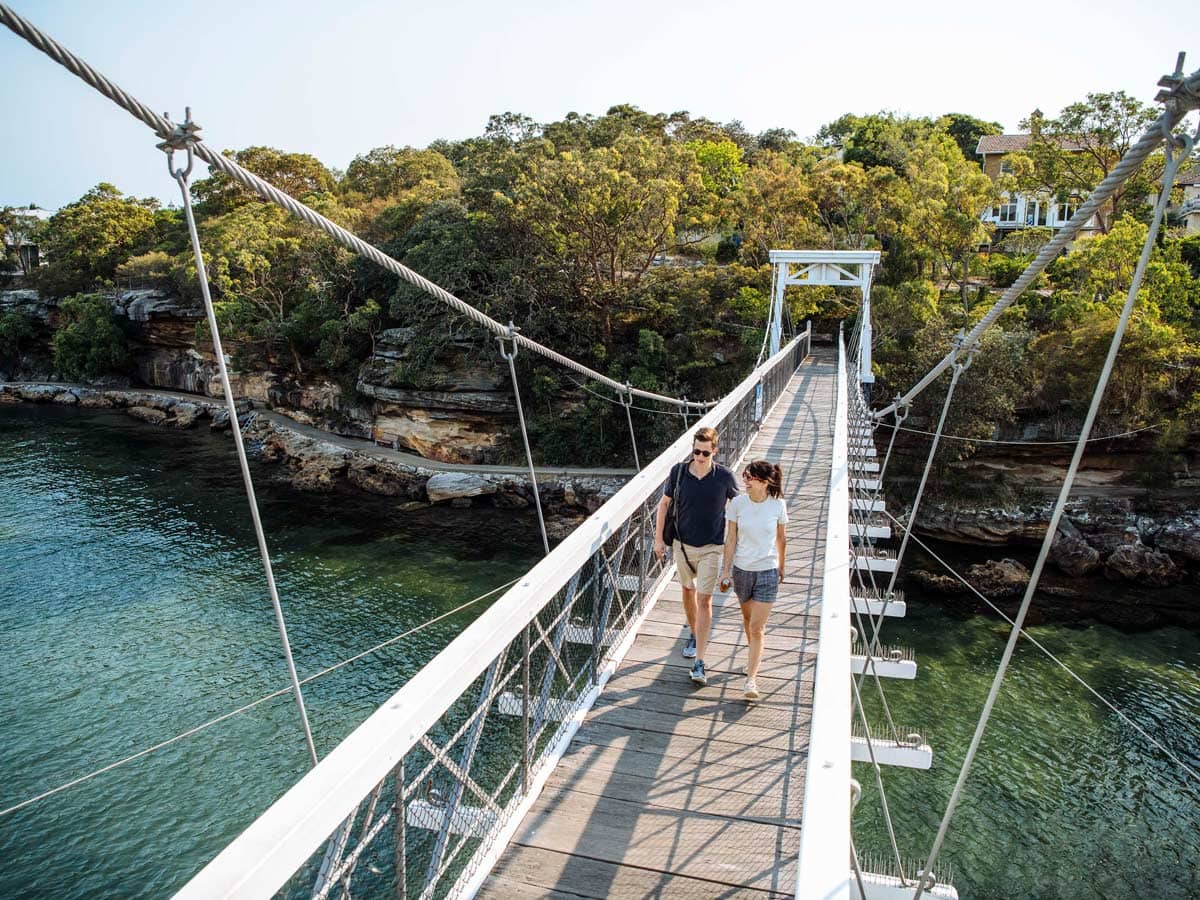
(17, 331)
(89, 340)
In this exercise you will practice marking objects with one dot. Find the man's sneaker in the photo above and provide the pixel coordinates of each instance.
(751, 692)
(689, 647)
(698, 675)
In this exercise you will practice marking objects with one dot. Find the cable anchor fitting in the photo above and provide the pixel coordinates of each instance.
(508, 339)
(1178, 89)
(184, 137)
(627, 396)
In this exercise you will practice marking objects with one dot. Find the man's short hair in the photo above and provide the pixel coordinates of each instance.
(705, 434)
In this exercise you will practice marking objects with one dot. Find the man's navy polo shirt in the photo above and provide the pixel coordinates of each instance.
(700, 505)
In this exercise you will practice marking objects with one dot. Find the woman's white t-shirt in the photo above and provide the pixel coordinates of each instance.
(756, 527)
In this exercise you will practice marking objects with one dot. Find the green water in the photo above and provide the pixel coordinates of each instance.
(133, 607)
(1065, 800)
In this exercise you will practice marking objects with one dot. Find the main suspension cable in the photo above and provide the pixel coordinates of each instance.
(168, 131)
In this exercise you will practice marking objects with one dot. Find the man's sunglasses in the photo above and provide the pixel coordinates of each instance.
(704, 453)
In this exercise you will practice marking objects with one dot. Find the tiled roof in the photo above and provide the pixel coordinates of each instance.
(1191, 176)
(1002, 143)
(1010, 143)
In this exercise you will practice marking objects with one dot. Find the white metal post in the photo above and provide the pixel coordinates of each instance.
(866, 376)
(777, 307)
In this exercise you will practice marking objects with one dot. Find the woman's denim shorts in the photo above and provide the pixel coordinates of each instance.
(761, 586)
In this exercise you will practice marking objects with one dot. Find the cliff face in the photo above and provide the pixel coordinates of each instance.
(455, 408)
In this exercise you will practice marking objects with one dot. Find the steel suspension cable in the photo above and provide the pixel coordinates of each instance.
(1181, 95)
(181, 178)
(169, 131)
(960, 366)
(1053, 658)
(511, 357)
(887, 814)
(1160, 206)
(628, 404)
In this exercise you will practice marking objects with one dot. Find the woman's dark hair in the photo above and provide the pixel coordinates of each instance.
(770, 473)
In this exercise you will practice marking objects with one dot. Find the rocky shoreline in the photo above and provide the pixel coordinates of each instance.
(1109, 561)
(328, 463)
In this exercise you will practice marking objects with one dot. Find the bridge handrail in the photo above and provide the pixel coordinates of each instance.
(330, 797)
(823, 864)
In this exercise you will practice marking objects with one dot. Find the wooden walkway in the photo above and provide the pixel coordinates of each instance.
(673, 790)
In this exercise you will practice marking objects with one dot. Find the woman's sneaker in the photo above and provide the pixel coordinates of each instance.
(751, 692)
(689, 647)
(698, 675)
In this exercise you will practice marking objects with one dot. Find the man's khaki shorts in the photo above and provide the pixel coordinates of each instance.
(705, 566)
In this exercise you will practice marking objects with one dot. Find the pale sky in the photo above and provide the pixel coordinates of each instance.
(335, 79)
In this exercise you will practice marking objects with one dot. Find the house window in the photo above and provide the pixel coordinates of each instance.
(1006, 166)
(1006, 212)
(1035, 212)
(1066, 209)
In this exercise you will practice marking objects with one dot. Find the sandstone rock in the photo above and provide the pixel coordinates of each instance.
(1181, 536)
(1071, 553)
(435, 434)
(983, 526)
(95, 400)
(148, 414)
(1110, 537)
(453, 485)
(998, 579)
(1137, 562)
(461, 502)
(220, 420)
(185, 414)
(557, 529)
(935, 582)
(66, 398)
(29, 302)
(510, 500)
(179, 369)
(384, 479)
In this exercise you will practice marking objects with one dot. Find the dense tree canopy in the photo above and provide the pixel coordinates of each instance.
(637, 243)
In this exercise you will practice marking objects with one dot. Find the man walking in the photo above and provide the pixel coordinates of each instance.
(699, 489)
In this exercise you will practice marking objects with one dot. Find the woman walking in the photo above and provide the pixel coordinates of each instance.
(755, 545)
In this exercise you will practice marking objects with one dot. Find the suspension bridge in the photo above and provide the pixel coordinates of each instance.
(556, 747)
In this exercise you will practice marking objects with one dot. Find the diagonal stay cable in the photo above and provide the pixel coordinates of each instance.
(1071, 442)
(1160, 206)
(249, 706)
(168, 130)
(181, 178)
(1050, 655)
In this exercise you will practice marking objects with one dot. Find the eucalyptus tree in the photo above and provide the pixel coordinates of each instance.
(1069, 155)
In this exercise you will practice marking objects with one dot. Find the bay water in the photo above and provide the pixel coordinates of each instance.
(133, 607)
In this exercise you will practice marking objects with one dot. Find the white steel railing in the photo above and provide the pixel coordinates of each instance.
(821, 871)
(420, 800)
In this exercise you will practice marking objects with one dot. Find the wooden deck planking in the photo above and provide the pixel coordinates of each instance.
(669, 789)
